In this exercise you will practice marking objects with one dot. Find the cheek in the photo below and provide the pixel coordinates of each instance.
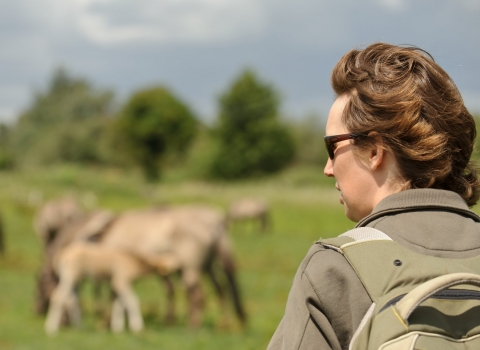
(344, 174)
(350, 195)
(355, 187)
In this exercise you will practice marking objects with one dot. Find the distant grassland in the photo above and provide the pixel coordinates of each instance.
(304, 207)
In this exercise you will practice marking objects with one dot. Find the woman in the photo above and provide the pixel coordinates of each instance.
(399, 140)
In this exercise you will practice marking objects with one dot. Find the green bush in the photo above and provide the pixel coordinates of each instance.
(153, 124)
(251, 139)
(65, 123)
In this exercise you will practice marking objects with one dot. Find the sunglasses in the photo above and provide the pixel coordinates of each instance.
(330, 141)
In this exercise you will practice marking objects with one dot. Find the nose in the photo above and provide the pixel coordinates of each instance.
(328, 170)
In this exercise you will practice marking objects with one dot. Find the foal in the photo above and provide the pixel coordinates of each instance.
(80, 260)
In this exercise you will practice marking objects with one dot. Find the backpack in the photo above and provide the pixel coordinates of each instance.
(418, 301)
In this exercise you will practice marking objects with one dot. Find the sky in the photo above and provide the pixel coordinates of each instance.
(198, 47)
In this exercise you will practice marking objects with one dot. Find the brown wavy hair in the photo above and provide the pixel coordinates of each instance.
(406, 98)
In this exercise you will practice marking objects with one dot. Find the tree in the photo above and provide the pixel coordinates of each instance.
(152, 124)
(64, 123)
(251, 139)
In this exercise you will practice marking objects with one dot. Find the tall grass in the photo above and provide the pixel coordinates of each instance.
(304, 207)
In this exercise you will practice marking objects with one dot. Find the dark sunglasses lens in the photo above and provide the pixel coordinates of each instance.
(329, 146)
(330, 141)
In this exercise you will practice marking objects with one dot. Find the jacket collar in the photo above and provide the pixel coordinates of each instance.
(416, 199)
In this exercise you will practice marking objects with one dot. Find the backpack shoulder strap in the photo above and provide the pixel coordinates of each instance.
(353, 236)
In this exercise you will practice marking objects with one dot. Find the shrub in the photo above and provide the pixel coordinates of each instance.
(152, 124)
(251, 139)
(63, 123)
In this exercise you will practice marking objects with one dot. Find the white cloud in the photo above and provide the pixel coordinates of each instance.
(196, 46)
(470, 4)
(167, 21)
(394, 5)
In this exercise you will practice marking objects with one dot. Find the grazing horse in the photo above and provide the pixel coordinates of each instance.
(195, 235)
(83, 228)
(250, 209)
(53, 216)
(80, 260)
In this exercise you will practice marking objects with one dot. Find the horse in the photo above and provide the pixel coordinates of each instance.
(84, 259)
(53, 215)
(82, 228)
(250, 209)
(195, 235)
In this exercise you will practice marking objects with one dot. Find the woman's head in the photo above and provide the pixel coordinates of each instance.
(410, 104)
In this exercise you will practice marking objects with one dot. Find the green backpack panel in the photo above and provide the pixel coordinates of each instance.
(418, 301)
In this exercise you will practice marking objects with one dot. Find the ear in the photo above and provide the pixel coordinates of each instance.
(377, 156)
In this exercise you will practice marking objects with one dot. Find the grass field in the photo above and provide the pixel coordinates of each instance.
(304, 207)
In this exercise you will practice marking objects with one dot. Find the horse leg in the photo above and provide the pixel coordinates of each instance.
(226, 260)
(171, 315)
(43, 292)
(73, 309)
(219, 289)
(191, 279)
(130, 302)
(58, 301)
(117, 321)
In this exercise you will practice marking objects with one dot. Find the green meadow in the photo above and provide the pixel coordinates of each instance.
(304, 207)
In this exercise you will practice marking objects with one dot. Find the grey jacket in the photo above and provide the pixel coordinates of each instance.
(327, 300)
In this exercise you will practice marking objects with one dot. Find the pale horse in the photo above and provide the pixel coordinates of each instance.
(71, 256)
(250, 209)
(83, 259)
(195, 235)
(190, 238)
(53, 216)
(58, 223)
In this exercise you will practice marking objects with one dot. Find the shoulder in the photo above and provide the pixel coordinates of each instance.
(318, 257)
(332, 291)
(325, 268)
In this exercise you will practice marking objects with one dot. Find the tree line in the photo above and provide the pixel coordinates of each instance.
(72, 121)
